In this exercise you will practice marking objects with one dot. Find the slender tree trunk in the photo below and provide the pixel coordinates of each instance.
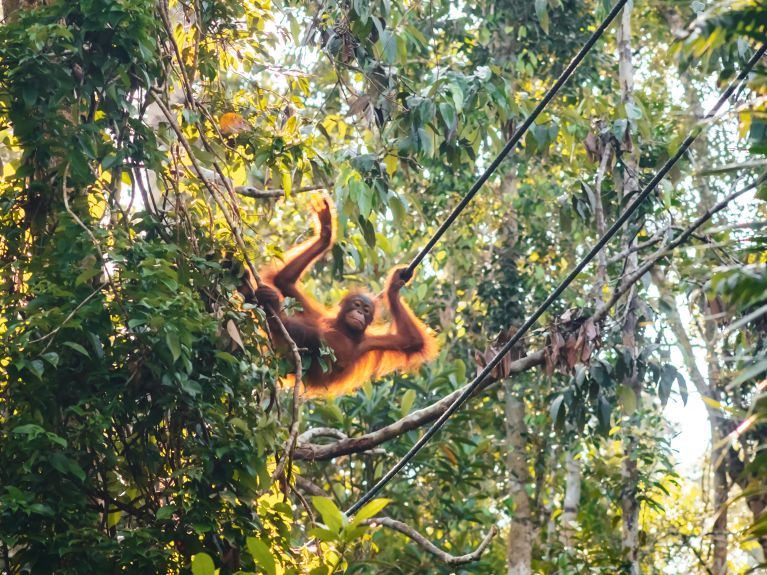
(520, 542)
(630, 470)
(720, 486)
(710, 389)
(572, 498)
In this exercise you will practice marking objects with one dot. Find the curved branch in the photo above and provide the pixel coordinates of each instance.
(414, 420)
(310, 434)
(427, 545)
(307, 486)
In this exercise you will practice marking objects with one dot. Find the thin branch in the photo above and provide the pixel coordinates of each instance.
(259, 194)
(427, 545)
(731, 168)
(657, 237)
(628, 281)
(414, 420)
(70, 315)
(737, 226)
(311, 488)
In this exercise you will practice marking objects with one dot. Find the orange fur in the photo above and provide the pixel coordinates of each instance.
(374, 364)
(360, 365)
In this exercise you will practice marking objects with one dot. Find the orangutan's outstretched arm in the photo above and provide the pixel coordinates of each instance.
(286, 277)
(409, 335)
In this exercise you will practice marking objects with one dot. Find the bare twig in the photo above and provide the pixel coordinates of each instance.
(259, 194)
(628, 281)
(427, 545)
(311, 488)
(656, 237)
(70, 315)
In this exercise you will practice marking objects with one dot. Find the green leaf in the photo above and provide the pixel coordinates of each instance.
(604, 410)
(323, 534)
(407, 402)
(633, 111)
(331, 515)
(77, 347)
(190, 387)
(227, 357)
(86, 275)
(558, 411)
(682, 387)
(542, 12)
(202, 564)
(28, 429)
(457, 93)
(627, 398)
(171, 339)
(667, 377)
(114, 518)
(165, 512)
(37, 367)
(460, 370)
(369, 511)
(74, 468)
(287, 182)
(262, 555)
(365, 201)
(51, 357)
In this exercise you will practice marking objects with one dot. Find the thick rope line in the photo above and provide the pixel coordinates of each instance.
(471, 388)
(516, 137)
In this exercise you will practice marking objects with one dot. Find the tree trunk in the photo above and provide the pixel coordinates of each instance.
(717, 425)
(710, 389)
(572, 498)
(520, 543)
(630, 470)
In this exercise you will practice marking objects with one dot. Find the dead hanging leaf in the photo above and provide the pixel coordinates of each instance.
(234, 333)
(449, 454)
(571, 341)
(572, 353)
(716, 310)
(503, 369)
(232, 123)
(594, 147)
(357, 108)
(364, 110)
(627, 143)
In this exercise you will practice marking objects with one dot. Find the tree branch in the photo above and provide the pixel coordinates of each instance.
(427, 545)
(414, 420)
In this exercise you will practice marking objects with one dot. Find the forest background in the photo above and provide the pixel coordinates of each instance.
(150, 150)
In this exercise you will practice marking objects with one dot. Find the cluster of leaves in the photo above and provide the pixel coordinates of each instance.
(138, 414)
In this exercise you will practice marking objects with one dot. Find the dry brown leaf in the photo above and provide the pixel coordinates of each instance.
(234, 333)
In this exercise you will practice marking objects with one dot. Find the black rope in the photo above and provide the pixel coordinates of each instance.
(472, 387)
(515, 138)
